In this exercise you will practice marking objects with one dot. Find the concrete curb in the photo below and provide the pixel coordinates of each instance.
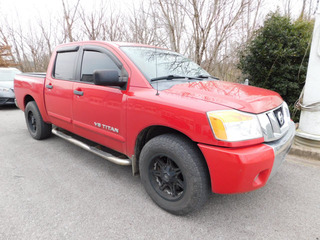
(306, 152)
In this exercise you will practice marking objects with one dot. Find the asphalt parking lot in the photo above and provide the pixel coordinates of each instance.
(52, 189)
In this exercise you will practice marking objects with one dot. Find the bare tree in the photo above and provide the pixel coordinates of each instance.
(213, 34)
(287, 7)
(252, 13)
(14, 36)
(113, 29)
(173, 19)
(143, 26)
(49, 35)
(303, 9)
(208, 31)
(6, 56)
(309, 8)
(93, 21)
(202, 15)
(69, 18)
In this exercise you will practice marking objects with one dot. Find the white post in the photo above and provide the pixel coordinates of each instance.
(309, 126)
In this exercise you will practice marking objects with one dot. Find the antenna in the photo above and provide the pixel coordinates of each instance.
(155, 53)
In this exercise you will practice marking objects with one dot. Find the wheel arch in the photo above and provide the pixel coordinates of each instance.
(153, 131)
(28, 98)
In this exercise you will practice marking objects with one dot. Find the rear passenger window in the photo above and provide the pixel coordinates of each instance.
(65, 64)
(95, 61)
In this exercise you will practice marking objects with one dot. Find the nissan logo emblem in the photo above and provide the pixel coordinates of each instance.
(280, 118)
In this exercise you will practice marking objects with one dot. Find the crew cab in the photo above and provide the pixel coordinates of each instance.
(185, 132)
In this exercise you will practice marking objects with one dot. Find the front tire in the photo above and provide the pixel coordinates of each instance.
(37, 128)
(174, 174)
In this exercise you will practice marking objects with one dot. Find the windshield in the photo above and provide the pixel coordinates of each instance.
(155, 63)
(8, 75)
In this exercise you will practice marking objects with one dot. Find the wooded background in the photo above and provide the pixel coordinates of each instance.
(211, 32)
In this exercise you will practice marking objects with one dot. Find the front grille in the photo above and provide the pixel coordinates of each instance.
(275, 123)
(6, 101)
(3, 100)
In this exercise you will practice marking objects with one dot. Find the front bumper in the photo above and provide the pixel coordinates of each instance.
(237, 170)
(6, 101)
(7, 97)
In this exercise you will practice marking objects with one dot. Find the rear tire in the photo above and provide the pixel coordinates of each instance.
(174, 174)
(38, 129)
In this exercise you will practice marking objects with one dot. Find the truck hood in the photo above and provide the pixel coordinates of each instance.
(237, 96)
(6, 84)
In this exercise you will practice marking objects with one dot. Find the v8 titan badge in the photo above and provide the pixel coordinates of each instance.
(106, 127)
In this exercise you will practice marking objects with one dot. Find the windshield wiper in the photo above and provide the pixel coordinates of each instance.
(171, 77)
(207, 76)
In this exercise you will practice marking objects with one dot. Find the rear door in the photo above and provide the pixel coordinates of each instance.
(99, 112)
(59, 87)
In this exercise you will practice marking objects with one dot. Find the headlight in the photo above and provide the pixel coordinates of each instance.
(232, 125)
(4, 89)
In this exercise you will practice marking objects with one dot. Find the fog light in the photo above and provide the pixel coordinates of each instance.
(261, 178)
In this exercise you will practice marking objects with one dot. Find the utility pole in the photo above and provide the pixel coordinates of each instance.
(308, 133)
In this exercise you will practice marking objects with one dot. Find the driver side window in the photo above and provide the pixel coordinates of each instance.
(92, 61)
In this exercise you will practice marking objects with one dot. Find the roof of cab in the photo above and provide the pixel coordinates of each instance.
(115, 44)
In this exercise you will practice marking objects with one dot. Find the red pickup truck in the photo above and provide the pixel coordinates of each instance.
(186, 132)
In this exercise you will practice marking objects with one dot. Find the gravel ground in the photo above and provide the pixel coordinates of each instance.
(52, 189)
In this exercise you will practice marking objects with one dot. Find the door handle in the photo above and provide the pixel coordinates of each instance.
(79, 93)
(49, 86)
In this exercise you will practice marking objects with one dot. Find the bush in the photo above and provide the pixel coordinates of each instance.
(277, 57)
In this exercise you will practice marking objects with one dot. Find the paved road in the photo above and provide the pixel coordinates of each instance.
(54, 190)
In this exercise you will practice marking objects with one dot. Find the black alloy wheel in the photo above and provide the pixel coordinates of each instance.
(32, 122)
(166, 178)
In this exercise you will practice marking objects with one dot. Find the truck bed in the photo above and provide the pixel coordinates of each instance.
(34, 74)
(30, 85)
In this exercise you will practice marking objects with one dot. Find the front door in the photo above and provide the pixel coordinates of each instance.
(99, 112)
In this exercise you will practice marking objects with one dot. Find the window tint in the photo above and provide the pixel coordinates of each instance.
(95, 61)
(65, 63)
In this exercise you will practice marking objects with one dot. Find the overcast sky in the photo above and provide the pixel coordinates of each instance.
(31, 10)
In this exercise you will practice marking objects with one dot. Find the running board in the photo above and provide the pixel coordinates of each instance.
(110, 157)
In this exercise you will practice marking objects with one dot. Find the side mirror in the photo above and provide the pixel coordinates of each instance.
(107, 78)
